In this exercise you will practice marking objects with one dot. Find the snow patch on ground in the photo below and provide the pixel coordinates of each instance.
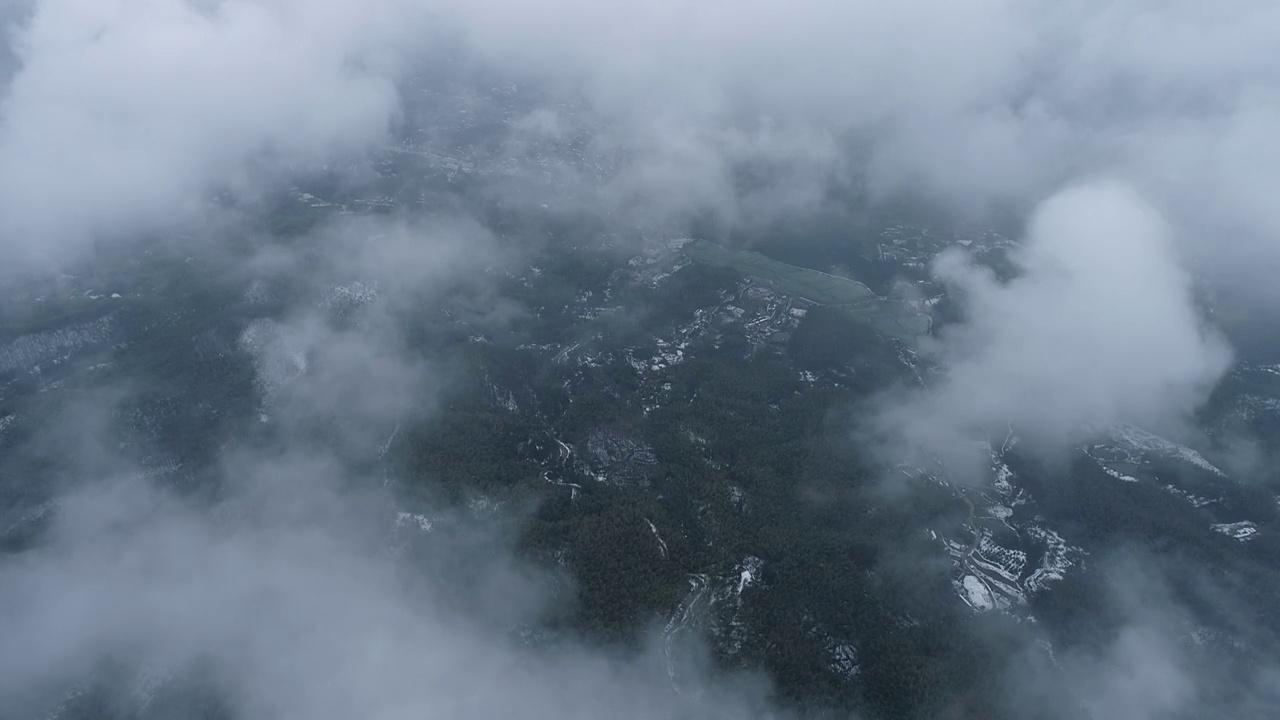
(619, 458)
(278, 357)
(27, 352)
(667, 355)
(1005, 563)
(684, 620)
(1133, 438)
(749, 572)
(1057, 559)
(1252, 407)
(1115, 473)
(385, 447)
(1195, 500)
(505, 399)
(1000, 512)
(977, 594)
(422, 522)
(736, 497)
(31, 517)
(1242, 531)
(662, 544)
(343, 297)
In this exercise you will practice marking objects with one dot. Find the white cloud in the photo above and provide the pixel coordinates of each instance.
(126, 115)
(1099, 328)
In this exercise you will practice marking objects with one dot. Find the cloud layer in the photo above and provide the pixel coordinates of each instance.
(284, 603)
(126, 117)
(126, 113)
(1098, 328)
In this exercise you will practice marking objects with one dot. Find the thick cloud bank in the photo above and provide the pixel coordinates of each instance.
(983, 102)
(122, 113)
(126, 115)
(281, 605)
(1099, 328)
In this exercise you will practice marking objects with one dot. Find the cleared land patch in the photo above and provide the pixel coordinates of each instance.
(888, 317)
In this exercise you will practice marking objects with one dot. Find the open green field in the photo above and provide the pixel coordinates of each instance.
(809, 284)
(888, 317)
